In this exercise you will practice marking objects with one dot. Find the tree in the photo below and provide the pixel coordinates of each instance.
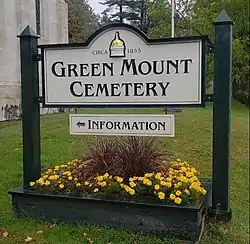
(205, 13)
(113, 5)
(82, 20)
(160, 14)
(135, 12)
(105, 19)
(196, 18)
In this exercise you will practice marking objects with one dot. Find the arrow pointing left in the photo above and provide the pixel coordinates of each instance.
(79, 124)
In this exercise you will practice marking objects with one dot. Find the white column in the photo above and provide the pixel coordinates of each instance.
(52, 21)
(26, 10)
(9, 83)
(62, 21)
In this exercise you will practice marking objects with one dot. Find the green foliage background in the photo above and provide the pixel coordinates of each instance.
(82, 20)
(196, 18)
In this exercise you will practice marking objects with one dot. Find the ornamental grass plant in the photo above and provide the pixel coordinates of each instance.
(123, 157)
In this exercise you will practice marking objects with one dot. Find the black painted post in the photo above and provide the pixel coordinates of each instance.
(221, 117)
(30, 106)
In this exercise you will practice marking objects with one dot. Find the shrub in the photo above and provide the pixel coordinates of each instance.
(124, 156)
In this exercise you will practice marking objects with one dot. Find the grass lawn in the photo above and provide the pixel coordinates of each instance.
(193, 143)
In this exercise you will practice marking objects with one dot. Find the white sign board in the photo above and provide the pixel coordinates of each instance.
(119, 66)
(122, 125)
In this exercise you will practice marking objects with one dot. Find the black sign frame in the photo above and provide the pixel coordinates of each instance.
(204, 39)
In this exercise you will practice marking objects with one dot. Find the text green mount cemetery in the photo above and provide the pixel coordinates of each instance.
(144, 68)
(59, 69)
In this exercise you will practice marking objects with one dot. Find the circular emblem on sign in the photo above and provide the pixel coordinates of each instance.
(117, 46)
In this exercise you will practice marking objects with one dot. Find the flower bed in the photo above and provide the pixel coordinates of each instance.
(124, 183)
(179, 184)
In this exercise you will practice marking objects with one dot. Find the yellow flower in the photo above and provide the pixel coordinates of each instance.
(148, 175)
(199, 188)
(183, 179)
(168, 184)
(191, 180)
(49, 170)
(178, 193)
(103, 184)
(193, 170)
(126, 187)
(172, 196)
(86, 183)
(157, 187)
(61, 186)
(90, 184)
(178, 160)
(106, 175)
(119, 179)
(99, 178)
(70, 178)
(141, 178)
(129, 189)
(158, 176)
(45, 176)
(110, 177)
(161, 195)
(147, 182)
(189, 174)
(40, 181)
(64, 166)
(131, 178)
(194, 178)
(32, 183)
(169, 179)
(47, 182)
(163, 183)
(179, 183)
(203, 191)
(78, 184)
(183, 169)
(132, 184)
(187, 191)
(96, 190)
(195, 185)
(176, 186)
(178, 200)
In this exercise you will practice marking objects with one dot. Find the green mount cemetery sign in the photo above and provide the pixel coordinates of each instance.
(120, 67)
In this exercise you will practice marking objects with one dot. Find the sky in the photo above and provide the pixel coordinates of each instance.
(98, 8)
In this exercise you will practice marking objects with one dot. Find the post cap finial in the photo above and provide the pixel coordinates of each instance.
(223, 19)
(28, 32)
